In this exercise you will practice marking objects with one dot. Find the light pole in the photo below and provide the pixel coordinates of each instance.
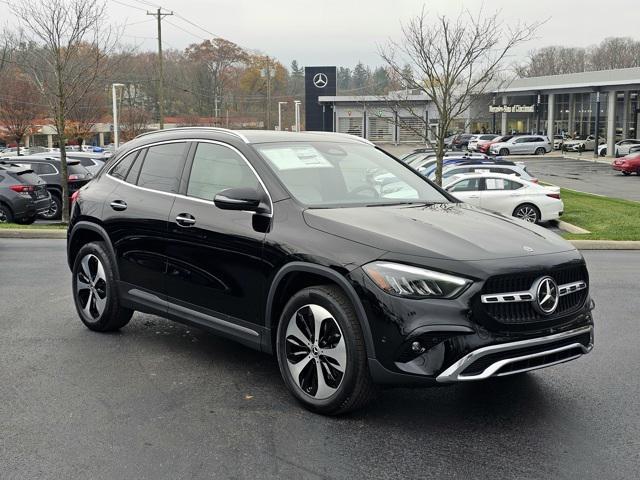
(297, 106)
(280, 114)
(115, 112)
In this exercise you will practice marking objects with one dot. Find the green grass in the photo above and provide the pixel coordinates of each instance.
(34, 226)
(606, 218)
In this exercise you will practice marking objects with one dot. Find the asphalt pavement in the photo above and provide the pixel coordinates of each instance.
(162, 401)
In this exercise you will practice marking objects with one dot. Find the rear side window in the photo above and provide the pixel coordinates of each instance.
(134, 171)
(501, 184)
(162, 167)
(43, 168)
(216, 168)
(122, 168)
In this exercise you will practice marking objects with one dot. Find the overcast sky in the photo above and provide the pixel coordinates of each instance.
(342, 32)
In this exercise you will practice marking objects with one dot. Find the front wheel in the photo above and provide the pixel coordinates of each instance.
(527, 212)
(321, 351)
(95, 292)
(540, 151)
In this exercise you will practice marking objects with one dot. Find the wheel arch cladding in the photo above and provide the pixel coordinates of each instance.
(85, 232)
(295, 276)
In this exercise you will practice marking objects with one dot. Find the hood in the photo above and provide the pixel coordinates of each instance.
(455, 231)
(574, 142)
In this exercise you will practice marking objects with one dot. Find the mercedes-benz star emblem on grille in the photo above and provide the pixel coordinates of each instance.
(547, 296)
(320, 80)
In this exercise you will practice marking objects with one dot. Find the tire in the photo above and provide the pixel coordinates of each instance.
(527, 212)
(89, 283)
(27, 220)
(603, 152)
(503, 152)
(540, 151)
(6, 216)
(55, 210)
(626, 174)
(345, 383)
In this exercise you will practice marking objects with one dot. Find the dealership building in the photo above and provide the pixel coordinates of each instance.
(552, 104)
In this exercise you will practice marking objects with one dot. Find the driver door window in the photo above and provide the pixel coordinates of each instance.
(216, 168)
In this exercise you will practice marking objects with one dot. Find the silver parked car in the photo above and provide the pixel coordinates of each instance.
(523, 145)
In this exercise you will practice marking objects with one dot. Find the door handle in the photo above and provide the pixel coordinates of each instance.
(118, 205)
(185, 220)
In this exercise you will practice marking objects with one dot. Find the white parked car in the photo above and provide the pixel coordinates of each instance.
(558, 140)
(517, 170)
(507, 195)
(582, 144)
(478, 140)
(523, 145)
(622, 147)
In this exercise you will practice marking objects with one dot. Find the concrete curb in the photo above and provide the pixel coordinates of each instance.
(606, 244)
(571, 228)
(32, 233)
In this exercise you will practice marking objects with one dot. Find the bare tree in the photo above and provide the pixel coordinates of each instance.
(133, 122)
(65, 56)
(18, 105)
(453, 61)
(615, 52)
(553, 60)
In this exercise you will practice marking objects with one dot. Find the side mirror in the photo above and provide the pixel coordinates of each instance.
(241, 198)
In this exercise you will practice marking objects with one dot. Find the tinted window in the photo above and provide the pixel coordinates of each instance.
(504, 170)
(501, 184)
(521, 140)
(468, 185)
(43, 168)
(216, 168)
(85, 162)
(134, 171)
(161, 167)
(123, 166)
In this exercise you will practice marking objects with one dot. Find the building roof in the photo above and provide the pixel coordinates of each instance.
(588, 80)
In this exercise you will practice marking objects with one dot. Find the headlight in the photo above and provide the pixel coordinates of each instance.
(406, 281)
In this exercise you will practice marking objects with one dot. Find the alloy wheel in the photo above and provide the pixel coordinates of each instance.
(3, 216)
(316, 351)
(527, 213)
(52, 212)
(91, 287)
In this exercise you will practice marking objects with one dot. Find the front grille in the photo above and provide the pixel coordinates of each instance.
(523, 314)
(483, 363)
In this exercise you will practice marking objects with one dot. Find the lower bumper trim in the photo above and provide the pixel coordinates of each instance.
(511, 360)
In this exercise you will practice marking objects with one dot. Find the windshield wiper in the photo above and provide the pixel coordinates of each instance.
(391, 204)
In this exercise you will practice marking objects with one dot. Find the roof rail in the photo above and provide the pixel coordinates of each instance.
(216, 129)
(346, 135)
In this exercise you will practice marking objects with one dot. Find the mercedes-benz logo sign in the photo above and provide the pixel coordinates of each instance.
(320, 80)
(547, 296)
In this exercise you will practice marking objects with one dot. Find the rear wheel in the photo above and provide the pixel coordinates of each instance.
(540, 151)
(503, 152)
(28, 220)
(55, 209)
(321, 352)
(95, 291)
(626, 174)
(6, 216)
(527, 212)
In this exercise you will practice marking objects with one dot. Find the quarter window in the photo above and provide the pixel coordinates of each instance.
(161, 167)
(123, 166)
(216, 168)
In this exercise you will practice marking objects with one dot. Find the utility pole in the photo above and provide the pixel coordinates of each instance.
(268, 95)
(158, 13)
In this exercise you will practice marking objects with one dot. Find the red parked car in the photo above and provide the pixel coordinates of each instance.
(484, 147)
(627, 165)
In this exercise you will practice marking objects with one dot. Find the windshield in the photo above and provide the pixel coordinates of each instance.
(328, 174)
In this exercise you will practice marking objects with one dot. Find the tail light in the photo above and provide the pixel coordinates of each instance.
(74, 196)
(534, 180)
(73, 177)
(554, 195)
(24, 190)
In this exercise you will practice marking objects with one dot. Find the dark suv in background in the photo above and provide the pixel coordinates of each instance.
(328, 252)
(23, 195)
(48, 169)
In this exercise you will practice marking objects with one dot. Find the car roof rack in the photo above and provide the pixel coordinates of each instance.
(215, 129)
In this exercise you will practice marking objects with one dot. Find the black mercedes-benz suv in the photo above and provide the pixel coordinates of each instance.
(328, 252)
